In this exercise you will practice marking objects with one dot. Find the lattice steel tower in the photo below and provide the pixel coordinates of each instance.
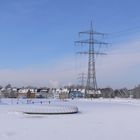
(91, 85)
(82, 78)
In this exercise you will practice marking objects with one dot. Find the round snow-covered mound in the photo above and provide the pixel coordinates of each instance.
(50, 110)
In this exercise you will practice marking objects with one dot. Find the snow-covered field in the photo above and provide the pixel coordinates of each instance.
(99, 119)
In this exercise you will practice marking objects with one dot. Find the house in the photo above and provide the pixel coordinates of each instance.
(76, 94)
(42, 93)
(26, 93)
(30, 94)
(93, 94)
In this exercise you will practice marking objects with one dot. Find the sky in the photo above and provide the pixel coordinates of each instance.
(37, 41)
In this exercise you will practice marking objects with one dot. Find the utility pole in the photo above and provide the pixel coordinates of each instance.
(91, 85)
(82, 78)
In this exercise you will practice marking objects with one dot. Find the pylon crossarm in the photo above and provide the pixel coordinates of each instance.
(92, 32)
(90, 42)
(96, 53)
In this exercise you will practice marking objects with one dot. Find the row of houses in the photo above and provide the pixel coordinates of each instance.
(64, 93)
(41, 93)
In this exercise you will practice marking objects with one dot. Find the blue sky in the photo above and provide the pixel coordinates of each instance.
(37, 40)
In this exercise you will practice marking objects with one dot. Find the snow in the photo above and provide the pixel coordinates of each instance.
(98, 119)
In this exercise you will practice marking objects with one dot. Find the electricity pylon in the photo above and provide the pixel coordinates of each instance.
(82, 78)
(91, 85)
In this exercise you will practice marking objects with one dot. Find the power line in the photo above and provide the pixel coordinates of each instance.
(125, 30)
